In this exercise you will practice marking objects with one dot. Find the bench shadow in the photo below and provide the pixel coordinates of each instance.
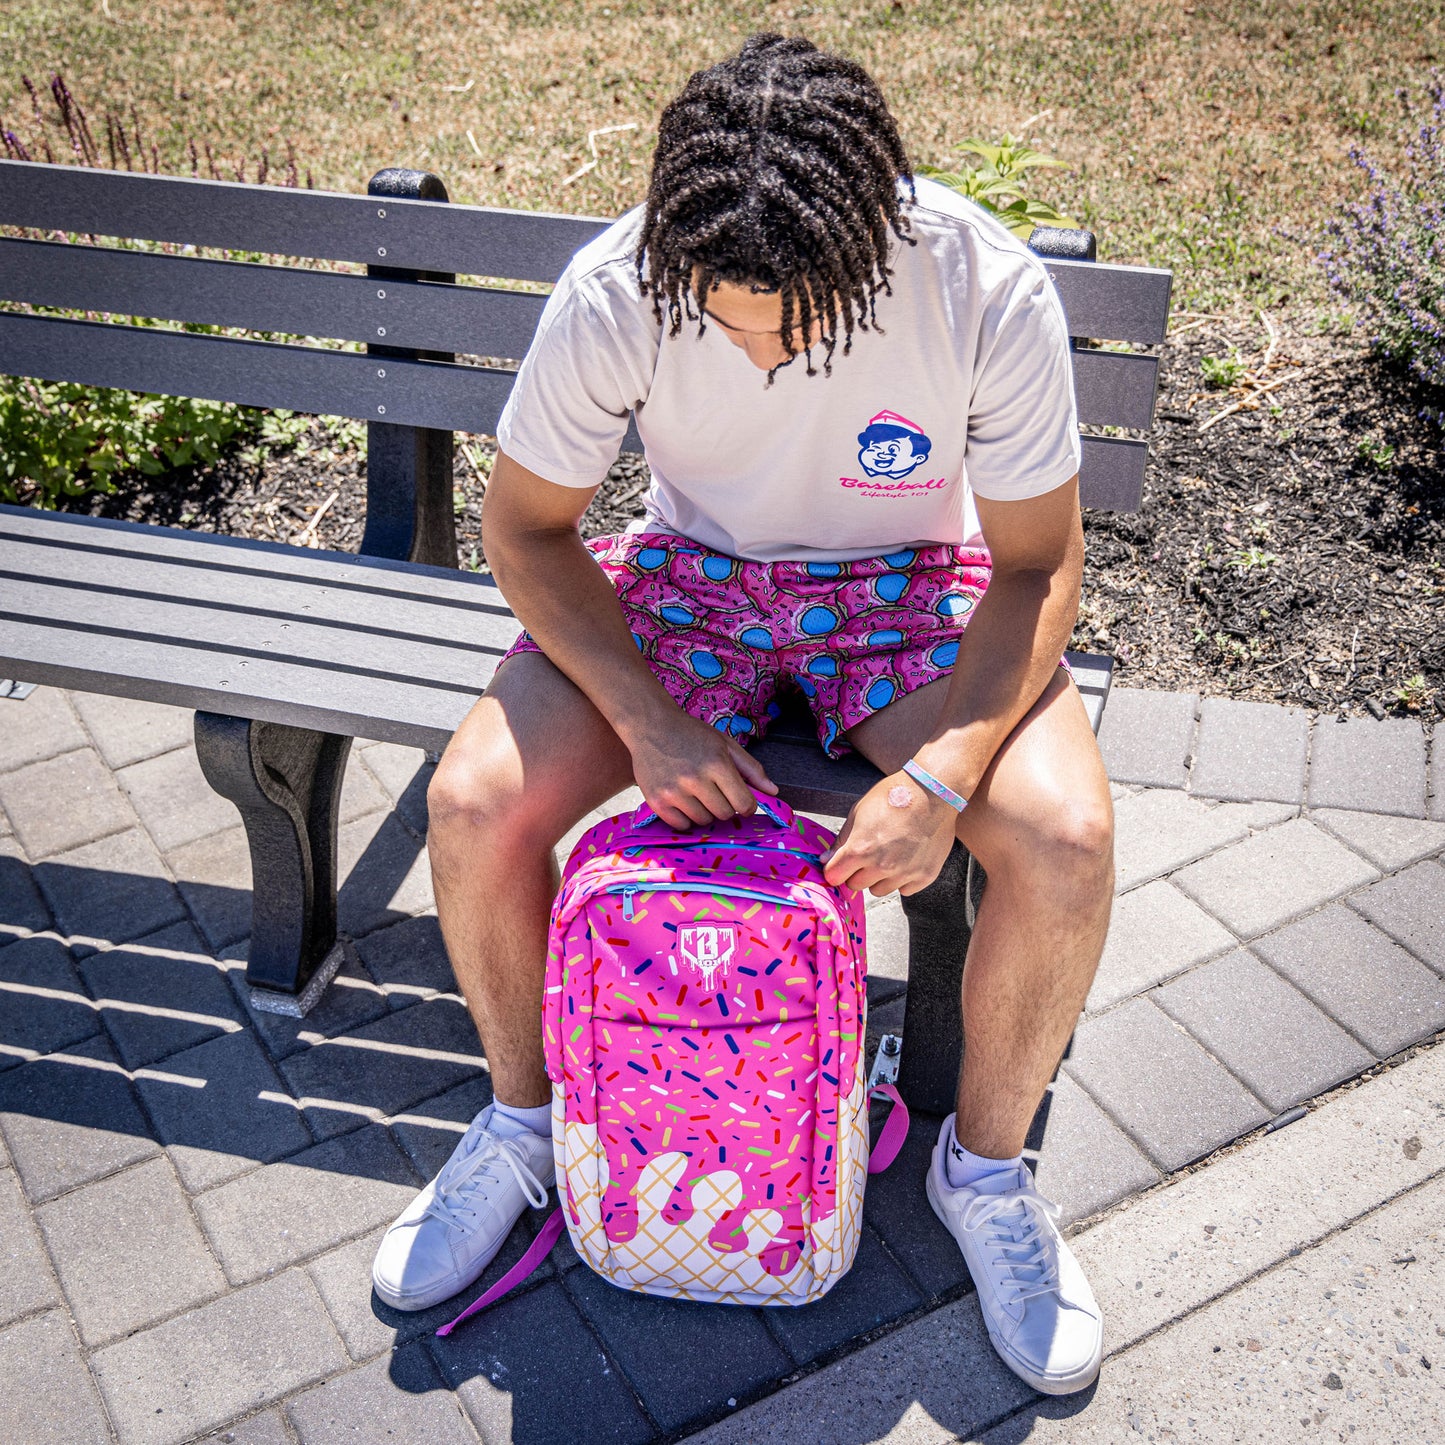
(103, 1051)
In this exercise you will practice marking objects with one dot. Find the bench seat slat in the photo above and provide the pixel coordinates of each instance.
(1104, 302)
(276, 691)
(304, 608)
(437, 586)
(240, 634)
(1115, 388)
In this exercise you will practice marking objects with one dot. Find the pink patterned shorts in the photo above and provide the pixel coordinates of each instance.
(726, 636)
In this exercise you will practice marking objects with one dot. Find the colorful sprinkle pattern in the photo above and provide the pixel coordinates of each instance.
(705, 1050)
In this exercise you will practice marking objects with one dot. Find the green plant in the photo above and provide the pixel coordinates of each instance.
(60, 439)
(1222, 371)
(1248, 557)
(1411, 694)
(1371, 450)
(996, 179)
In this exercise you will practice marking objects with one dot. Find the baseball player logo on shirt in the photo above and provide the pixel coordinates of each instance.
(892, 446)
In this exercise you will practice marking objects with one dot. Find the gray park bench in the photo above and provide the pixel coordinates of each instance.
(287, 654)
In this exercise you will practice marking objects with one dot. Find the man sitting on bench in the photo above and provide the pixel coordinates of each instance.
(891, 525)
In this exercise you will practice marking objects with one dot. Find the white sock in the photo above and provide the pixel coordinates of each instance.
(538, 1120)
(964, 1167)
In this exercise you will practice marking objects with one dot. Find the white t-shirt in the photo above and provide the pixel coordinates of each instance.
(968, 389)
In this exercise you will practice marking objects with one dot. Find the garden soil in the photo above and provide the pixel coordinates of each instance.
(1291, 552)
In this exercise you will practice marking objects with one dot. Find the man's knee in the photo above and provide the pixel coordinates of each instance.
(471, 798)
(1065, 838)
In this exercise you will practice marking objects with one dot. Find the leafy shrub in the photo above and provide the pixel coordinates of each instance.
(996, 180)
(1388, 256)
(62, 439)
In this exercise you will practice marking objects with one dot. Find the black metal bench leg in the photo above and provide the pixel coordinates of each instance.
(287, 783)
(938, 935)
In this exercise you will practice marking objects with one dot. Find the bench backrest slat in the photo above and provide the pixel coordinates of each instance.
(1102, 303)
(289, 221)
(255, 373)
(1113, 303)
(1115, 388)
(427, 315)
(1111, 473)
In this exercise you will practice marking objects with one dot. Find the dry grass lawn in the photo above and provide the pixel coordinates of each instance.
(1195, 132)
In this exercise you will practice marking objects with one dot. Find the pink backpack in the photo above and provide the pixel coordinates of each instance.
(703, 1024)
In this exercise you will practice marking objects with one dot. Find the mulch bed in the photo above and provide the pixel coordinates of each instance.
(1279, 558)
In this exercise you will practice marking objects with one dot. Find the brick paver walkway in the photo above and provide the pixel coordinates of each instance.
(190, 1193)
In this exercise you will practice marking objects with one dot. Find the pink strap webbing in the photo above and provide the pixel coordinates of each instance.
(893, 1132)
(890, 1141)
(547, 1236)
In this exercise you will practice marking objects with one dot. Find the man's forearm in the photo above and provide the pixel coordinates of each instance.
(564, 600)
(1008, 652)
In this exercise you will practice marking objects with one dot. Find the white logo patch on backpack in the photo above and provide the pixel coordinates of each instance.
(708, 951)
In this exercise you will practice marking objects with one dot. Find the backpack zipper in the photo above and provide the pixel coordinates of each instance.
(637, 848)
(630, 890)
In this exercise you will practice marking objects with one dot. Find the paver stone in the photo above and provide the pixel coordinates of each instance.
(1250, 751)
(26, 1283)
(1150, 1076)
(55, 1403)
(42, 726)
(1145, 736)
(161, 994)
(71, 1117)
(300, 1206)
(220, 1109)
(385, 1067)
(42, 1004)
(502, 1364)
(1359, 977)
(128, 1251)
(126, 730)
(399, 1398)
(63, 802)
(1264, 1030)
(234, 1355)
(1389, 841)
(112, 890)
(1410, 907)
(174, 801)
(1274, 876)
(1154, 933)
(1377, 767)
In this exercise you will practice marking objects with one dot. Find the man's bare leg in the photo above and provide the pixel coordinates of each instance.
(532, 758)
(1041, 824)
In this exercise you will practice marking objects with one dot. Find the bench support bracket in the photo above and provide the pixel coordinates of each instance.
(286, 781)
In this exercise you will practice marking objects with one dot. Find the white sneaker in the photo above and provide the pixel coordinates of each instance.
(453, 1229)
(1041, 1315)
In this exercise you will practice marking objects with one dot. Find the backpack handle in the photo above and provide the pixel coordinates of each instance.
(771, 807)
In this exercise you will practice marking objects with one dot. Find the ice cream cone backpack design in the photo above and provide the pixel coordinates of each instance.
(703, 1025)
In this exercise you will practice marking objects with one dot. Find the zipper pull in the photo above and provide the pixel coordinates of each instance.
(627, 896)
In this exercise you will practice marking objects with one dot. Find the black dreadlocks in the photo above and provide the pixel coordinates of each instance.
(777, 168)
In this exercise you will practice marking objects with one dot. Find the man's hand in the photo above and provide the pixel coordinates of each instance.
(881, 847)
(691, 773)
